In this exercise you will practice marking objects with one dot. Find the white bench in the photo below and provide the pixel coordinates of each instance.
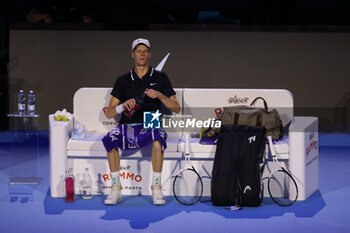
(298, 150)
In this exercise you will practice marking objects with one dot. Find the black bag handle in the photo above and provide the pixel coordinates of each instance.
(265, 104)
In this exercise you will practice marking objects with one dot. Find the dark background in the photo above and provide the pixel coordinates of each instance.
(302, 46)
(290, 12)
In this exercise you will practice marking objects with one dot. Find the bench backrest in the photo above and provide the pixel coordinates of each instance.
(207, 103)
(198, 103)
(87, 108)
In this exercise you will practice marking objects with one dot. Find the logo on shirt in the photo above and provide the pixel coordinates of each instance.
(151, 120)
(152, 84)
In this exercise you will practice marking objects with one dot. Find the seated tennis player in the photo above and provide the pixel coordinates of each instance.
(141, 89)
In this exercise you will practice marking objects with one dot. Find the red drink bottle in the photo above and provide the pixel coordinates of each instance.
(69, 186)
(139, 100)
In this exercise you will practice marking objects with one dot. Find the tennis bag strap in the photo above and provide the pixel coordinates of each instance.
(238, 166)
(252, 166)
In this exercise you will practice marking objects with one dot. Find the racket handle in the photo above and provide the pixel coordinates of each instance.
(272, 147)
(187, 144)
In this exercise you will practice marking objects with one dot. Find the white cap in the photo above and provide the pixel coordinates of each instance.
(140, 41)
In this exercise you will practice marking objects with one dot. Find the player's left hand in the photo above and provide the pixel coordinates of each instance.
(153, 94)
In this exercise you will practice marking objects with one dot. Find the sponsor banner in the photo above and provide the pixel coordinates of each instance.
(311, 150)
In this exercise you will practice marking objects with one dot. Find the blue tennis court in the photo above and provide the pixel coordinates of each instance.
(35, 211)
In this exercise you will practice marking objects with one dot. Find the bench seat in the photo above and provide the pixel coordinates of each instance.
(91, 145)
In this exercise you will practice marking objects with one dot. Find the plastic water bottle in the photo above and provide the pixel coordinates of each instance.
(21, 108)
(31, 103)
(87, 185)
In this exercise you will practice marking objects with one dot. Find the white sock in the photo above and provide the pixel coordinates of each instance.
(156, 178)
(115, 178)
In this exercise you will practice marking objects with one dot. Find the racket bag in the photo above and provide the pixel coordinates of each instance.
(238, 166)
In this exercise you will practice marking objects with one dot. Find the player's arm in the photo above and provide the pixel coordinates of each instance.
(170, 102)
(111, 111)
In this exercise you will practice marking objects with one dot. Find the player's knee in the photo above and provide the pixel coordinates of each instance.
(113, 152)
(157, 146)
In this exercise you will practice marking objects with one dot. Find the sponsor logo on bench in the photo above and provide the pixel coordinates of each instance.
(312, 146)
(219, 111)
(124, 175)
(237, 100)
(109, 123)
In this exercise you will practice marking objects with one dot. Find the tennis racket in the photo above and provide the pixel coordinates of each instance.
(188, 185)
(281, 185)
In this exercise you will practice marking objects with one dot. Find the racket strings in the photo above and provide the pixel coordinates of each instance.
(282, 188)
(188, 187)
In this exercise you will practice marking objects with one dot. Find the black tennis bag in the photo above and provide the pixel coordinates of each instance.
(238, 166)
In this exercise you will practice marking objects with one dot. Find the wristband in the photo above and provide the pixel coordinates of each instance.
(119, 108)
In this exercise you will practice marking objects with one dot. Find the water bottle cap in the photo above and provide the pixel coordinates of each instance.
(31, 91)
(20, 90)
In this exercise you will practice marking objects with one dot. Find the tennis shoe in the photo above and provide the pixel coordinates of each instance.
(157, 195)
(114, 196)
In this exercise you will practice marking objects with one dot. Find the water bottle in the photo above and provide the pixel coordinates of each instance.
(21, 102)
(139, 100)
(31, 103)
(69, 182)
(87, 185)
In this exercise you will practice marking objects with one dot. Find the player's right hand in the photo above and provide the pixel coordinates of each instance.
(129, 104)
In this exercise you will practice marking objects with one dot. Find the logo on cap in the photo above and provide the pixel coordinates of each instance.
(140, 41)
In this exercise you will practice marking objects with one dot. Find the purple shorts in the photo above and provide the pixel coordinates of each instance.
(128, 137)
